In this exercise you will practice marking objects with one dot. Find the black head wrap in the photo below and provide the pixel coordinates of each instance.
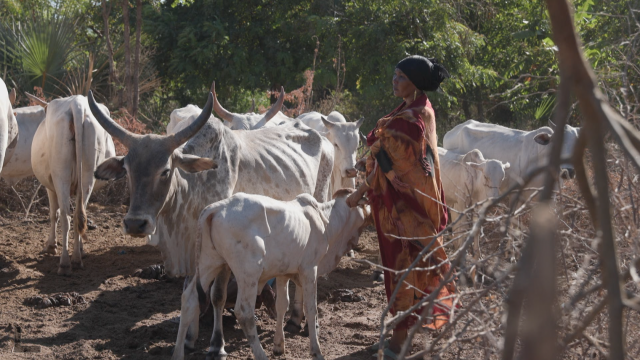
(426, 74)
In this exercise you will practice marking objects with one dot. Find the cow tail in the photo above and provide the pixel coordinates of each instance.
(204, 229)
(80, 215)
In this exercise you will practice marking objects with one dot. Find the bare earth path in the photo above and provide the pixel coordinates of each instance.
(126, 317)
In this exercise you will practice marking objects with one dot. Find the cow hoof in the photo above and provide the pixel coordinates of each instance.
(51, 249)
(222, 355)
(77, 264)
(292, 328)
(64, 270)
(277, 351)
(377, 276)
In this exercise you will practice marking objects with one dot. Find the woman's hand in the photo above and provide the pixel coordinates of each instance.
(352, 200)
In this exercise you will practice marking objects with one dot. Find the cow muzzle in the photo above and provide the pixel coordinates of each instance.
(351, 173)
(567, 173)
(138, 227)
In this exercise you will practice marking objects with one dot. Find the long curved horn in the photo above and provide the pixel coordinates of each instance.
(276, 107)
(222, 112)
(185, 134)
(115, 130)
(253, 105)
(37, 100)
(12, 97)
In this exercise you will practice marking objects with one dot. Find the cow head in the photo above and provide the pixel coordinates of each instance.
(149, 166)
(493, 171)
(247, 121)
(345, 138)
(570, 137)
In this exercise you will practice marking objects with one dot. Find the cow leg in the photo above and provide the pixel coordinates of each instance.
(189, 312)
(78, 253)
(244, 310)
(218, 300)
(50, 246)
(282, 303)
(294, 324)
(309, 286)
(64, 200)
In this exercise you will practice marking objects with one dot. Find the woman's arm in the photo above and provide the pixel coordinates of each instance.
(353, 199)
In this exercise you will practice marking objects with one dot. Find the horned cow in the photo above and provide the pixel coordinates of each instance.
(173, 177)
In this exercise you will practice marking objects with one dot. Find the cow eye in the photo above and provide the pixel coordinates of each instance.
(336, 145)
(165, 173)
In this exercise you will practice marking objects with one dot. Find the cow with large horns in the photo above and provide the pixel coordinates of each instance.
(66, 149)
(8, 125)
(251, 121)
(173, 177)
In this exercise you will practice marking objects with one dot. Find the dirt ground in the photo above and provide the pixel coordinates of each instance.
(127, 317)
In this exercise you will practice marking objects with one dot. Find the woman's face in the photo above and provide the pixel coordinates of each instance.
(402, 86)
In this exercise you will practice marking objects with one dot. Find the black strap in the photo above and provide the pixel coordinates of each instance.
(384, 161)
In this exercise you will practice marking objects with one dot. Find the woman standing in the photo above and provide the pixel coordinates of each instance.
(404, 188)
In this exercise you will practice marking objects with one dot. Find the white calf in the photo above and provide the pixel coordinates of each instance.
(266, 238)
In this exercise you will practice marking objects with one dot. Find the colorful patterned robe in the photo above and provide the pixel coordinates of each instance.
(405, 136)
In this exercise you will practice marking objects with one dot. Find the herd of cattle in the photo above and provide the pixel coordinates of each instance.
(249, 195)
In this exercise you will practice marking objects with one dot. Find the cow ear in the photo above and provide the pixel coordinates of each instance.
(474, 156)
(326, 122)
(542, 139)
(111, 169)
(475, 165)
(194, 164)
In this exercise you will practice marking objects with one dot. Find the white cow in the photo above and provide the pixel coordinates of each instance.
(524, 150)
(19, 166)
(8, 125)
(186, 114)
(67, 147)
(248, 121)
(266, 238)
(469, 178)
(251, 121)
(172, 178)
(345, 137)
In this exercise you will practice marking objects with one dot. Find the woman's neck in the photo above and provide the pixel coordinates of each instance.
(411, 98)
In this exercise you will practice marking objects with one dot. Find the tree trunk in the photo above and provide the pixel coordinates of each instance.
(127, 56)
(466, 108)
(136, 64)
(106, 10)
(479, 103)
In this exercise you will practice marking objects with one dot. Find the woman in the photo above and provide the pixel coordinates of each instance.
(404, 188)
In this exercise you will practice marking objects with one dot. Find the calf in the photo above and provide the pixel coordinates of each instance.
(266, 238)
(469, 178)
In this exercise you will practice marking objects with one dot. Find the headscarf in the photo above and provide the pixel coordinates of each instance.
(426, 74)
